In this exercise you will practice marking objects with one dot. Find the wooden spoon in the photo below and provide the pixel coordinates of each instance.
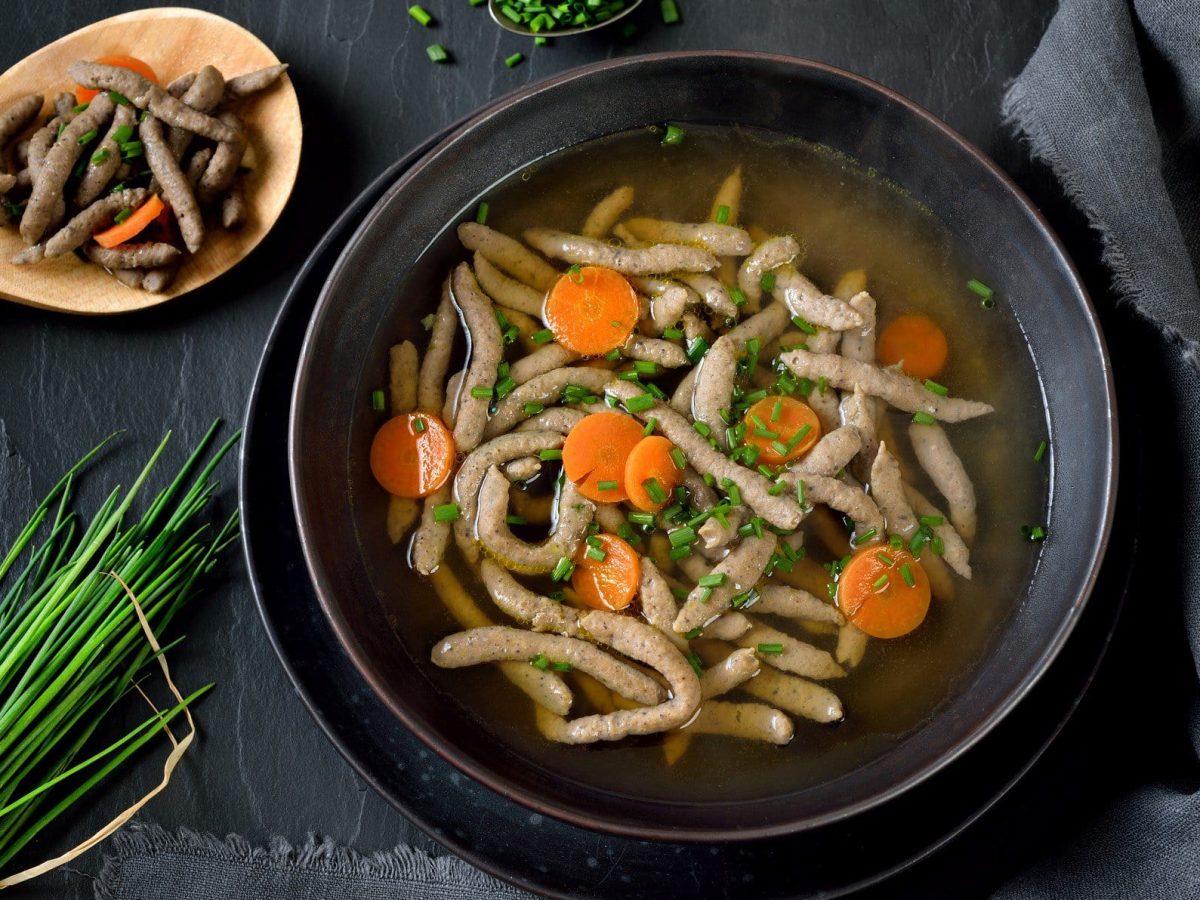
(173, 41)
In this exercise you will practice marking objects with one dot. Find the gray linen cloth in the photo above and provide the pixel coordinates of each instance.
(1129, 158)
(1111, 103)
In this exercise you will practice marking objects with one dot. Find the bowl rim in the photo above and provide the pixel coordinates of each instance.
(649, 831)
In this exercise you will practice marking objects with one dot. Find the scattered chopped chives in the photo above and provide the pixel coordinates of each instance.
(562, 569)
(481, 214)
(777, 488)
(736, 295)
(705, 594)
(934, 388)
(596, 553)
(119, 99)
(561, 666)
(722, 214)
(516, 520)
(740, 600)
(437, 53)
(896, 542)
(640, 403)
(682, 536)
(702, 428)
(540, 662)
(514, 60)
(885, 559)
(1035, 533)
(655, 490)
(99, 156)
(779, 447)
(79, 108)
(771, 649)
(679, 458)
(672, 334)
(645, 367)
(880, 582)
(681, 552)
(1040, 452)
(923, 418)
(692, 658)
(478, 2)
(822, 384)
(421, 16)
(446, 512)
(549, 454)
(674, 134)
(481, 393)
(539, 41)
(906, 573)
(931, 521)
(713, 579)
(801, 434)
(642, 518)
(864, 537)
(419, 425)
(607, 485)
(378, 401)
(670, 12)
(651, 424)
(937, 545)
(532, 409)
(753, 398)
(777, 410)
(544, 336)
(505, 386)
(123, 134)
(694, 633)
(800, 493)
(980, 288)
(122, 215)
(767, 282)
(804, 325)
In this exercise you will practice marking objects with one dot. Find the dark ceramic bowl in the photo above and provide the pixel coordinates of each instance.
(359, 312)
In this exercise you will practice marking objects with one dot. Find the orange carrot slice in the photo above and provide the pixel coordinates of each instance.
(607, 572)
(915, 341)
(595, 451)
(651, 473)
(782, 428)
(85, 95)
(883, 591)
(591, 310)
(138, 221)
(412, 455)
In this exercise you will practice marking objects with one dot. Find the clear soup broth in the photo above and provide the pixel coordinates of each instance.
(846, 218)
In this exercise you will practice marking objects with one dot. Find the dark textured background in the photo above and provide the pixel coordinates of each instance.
(368, 93)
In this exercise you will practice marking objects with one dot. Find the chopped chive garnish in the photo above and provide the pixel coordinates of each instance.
(596, 553)
(696, 664)
(777, 410)
(880, 582)
(980, 288)
(696, 348)
(561, 666)
(516, 520)
(682, 536)
(740, 600)
(736, 295)
(122, 215)
(934, 388)
(607, 485)
(593, 540)
(655, 490)
(481, 213)
(540, 662)
(119, 99)
(651, 424)
(923, 418)
(767, 282)
(550, 454)
(1035, 533)
(562, 569)
(422, 17)
(864, 537)
(544, 336)
(123, 134)
(713, 579)
(505, 386)
(481, 393)
(772, 649)
(885, 559)
(99, 156)
(705, 594)
(694, 633)
(645, 367)
(446, 512)
(1040, 452)
(679, 458)
(931, 521)
(640, 403)
(514, 60)
(642, 518)
(777, 488)
(906, 573)
(722, 214)
(419, 425)
(532, 409)
(702, 428)
(804, 325)
(79, 108)
(937, 545)
(681, 552)
(801, 434)
(800, 494)
(672, 334)
(131, 150)
(822, 384)
(437, 53)
(378, 401)
(674, 134)
(896, 542)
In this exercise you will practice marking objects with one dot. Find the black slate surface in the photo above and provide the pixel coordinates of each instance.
(368, 93)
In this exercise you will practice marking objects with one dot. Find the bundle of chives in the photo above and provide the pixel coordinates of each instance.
(71, 644)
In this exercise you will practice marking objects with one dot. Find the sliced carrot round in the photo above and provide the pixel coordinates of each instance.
(137, 222)
(85, 95)
(651, 473)
(782, 428)
(915, 341)
(884, 592)
(607, 572)
(591, 310)
(595, 451)
(412, 455)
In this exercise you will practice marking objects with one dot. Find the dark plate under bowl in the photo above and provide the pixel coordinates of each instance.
(346, 342)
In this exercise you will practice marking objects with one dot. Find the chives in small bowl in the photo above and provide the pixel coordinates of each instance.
(557, 18)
